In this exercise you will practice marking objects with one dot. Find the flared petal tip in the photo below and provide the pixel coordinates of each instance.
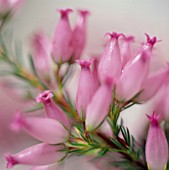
(129, 38)
(84, 63)
(151, 41)
(64, 12)
(44, 97)
(10, 160)
(83, 12)
(114, 35)
(154, 119)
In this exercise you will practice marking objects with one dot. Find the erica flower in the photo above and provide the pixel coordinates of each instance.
(79, 34)
(99, 105)
(62, 42)
(40, 154)
(110, 62)
(51, 109)
(156, 145)
(44, 129)
(86, 88)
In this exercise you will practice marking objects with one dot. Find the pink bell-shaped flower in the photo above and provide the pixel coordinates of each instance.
(62, 41)
(134, 73)
(42, 54)
(149, 90)
(51, 109)
(156, 145)
(126, 55)
(44, 129)
(86, 88)
(110, 62)
(79, 34)
(40, 154)
(99, 105)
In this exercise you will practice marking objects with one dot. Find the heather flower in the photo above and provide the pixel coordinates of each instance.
(156, 145)
(40, 154)
(51, 109)
(86, 88)
(149, 90)
(110, 62)
(79, 34)
(98, 107)
(44, 129)
(62, 42)
(136, 71)
(42, 54)
(126, 54)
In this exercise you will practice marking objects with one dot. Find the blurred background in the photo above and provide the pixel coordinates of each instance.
(132, 17)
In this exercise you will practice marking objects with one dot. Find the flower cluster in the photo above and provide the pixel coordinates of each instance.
(107, 85)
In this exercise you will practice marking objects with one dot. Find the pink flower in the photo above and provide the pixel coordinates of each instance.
(62, 41)
(79, 34)
(98, 107)
(51, 109)
(42, 54)
(86, 88)
(110, 62)
(44, 129)
(126, 55)
(151, 85)
(40, 154)
(135, 73)
(156, 145)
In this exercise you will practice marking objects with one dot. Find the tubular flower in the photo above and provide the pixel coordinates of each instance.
(86, 87)
(136, 71)
(148, 91)
(51, 109)
(42, 54)
(99, 105)
(126, 55)
(62, 42)
(79, 34)
(40, 154)
(110, 62)
(156, 145)
(44, 129)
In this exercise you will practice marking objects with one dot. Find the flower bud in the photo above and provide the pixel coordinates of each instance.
(51, 109)
(44, 129)
(86, 88)
(42, 54)
(40, 154)
(62, 42)
(79, 34)
(134, 74)
(156, 145)
(99, 105)
(110, 62)
(149, 90)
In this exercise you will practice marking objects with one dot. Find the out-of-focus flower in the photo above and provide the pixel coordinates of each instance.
(44, 129)
(79, 34)
(40, 154)
(135, 72)
(149, 90)
(51, 109)
(99, 105)
(110, 62)
(62, 41)
(42, 54)
(126, 54)
(156, 145)
(9, 5)
(86, 88)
